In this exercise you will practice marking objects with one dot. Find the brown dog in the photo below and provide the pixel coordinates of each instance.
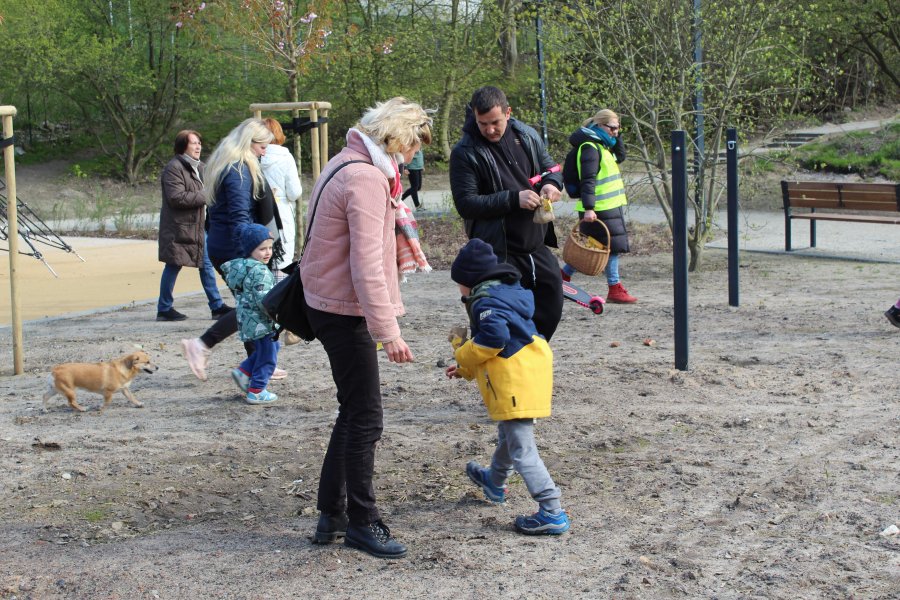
(102, 378)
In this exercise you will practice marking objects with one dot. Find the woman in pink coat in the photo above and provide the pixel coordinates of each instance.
(351, 283)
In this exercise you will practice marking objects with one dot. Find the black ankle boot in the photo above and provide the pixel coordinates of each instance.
(330, 528)
(374, 538)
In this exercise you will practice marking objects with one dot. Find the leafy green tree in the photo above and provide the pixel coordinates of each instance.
(636, 58)
(124, 65)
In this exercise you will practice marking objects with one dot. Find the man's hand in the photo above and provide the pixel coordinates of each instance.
(550, 191)
(529, 200)
(590, 215)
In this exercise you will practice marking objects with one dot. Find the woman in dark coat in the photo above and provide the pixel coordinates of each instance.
(182, 236)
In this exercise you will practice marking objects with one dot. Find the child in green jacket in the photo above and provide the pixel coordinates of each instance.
(251, 279)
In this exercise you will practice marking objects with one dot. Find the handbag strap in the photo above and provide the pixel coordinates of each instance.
(315, 205)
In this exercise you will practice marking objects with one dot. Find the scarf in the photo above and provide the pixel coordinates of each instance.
(410, 257)
(195, 165)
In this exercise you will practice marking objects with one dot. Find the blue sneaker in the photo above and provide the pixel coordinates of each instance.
(481, 478)
(543, 523)
(263, 397)
(241, 379)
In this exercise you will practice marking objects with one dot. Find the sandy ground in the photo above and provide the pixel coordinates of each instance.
(114, 272)
(769, 469)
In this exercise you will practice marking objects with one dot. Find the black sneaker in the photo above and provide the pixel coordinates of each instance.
(221, 311)
(893, 315)
(374, 538)
(330, 528)
(170, 315)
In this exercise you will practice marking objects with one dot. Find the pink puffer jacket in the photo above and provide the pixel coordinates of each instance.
(349, 266)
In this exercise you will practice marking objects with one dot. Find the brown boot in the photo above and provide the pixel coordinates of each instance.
(619, 295)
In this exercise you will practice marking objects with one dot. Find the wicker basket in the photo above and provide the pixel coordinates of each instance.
(581, 252)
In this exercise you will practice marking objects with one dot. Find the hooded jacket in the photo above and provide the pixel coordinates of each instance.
(487, 207)
(250, 280)
(182, 215)
(280, 169)
(511, 362)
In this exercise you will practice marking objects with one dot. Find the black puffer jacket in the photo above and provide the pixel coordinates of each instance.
(614, 218)
(479, 195)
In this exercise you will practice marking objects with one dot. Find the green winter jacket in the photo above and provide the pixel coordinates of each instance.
(250, 280)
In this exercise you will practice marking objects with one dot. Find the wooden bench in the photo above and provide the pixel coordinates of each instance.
(838, 199)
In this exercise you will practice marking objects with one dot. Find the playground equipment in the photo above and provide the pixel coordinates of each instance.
(7, 113)
(31, 228)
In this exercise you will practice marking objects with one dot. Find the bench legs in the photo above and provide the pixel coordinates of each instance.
(812, 233)
(787, 230)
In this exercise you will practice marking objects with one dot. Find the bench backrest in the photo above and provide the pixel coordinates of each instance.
(847, 196)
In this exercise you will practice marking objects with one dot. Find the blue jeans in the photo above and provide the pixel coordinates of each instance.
(207, 279)
(261, 364)
(612, 270)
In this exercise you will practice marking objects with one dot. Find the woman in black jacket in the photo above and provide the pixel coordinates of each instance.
(592, 176)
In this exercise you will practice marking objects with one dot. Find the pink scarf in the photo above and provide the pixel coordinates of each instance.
(410, 257)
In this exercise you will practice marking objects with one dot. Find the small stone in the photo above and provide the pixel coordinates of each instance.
(889, 531)
(615, 344)
(67, 476)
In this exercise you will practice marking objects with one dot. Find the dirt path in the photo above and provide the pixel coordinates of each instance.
(768, 470)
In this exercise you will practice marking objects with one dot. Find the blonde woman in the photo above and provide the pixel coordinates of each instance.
(236, 195)
(350, 280)
(592, 177)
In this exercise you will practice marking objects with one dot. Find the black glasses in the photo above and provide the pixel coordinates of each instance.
(612, 127)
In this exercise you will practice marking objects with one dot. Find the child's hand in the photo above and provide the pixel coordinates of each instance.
(451, 371)
(458, 336)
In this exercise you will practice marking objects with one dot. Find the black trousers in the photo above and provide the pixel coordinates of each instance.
(415, 184)
(227, 324)
(540, 274)
(345, 483)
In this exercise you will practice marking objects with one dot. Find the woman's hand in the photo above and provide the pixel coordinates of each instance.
(590, 215)
(398, 352)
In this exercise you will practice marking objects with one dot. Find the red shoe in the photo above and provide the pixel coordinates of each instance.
(565, 277)
(619, 295)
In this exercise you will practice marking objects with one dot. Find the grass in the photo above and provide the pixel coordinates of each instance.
(868, 153)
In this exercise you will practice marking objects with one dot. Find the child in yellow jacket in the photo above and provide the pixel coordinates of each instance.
(513, 366)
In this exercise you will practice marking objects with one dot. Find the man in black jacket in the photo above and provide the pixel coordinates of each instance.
(489, 172)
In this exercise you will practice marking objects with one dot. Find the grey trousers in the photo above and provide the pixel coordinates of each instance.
(517, 451)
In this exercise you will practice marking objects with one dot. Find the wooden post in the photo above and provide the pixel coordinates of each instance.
(12, 217)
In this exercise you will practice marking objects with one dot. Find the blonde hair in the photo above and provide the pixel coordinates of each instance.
(602, 117)
(233, 151)
(398, 124)
(275, 127)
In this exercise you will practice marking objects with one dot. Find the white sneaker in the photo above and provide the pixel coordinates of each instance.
(197, 355)
(278, 374)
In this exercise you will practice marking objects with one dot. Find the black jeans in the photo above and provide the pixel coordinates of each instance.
(346, 479)
(227, 324)
(540, 274)
(415, 184)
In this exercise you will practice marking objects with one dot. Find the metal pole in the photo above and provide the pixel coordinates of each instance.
(734, 291)
(680, 247)
(12, 218)
(699, 139)
(314, 142)
(540, 57)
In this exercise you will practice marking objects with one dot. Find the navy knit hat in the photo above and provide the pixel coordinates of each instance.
(251, 236)
(474, 260)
